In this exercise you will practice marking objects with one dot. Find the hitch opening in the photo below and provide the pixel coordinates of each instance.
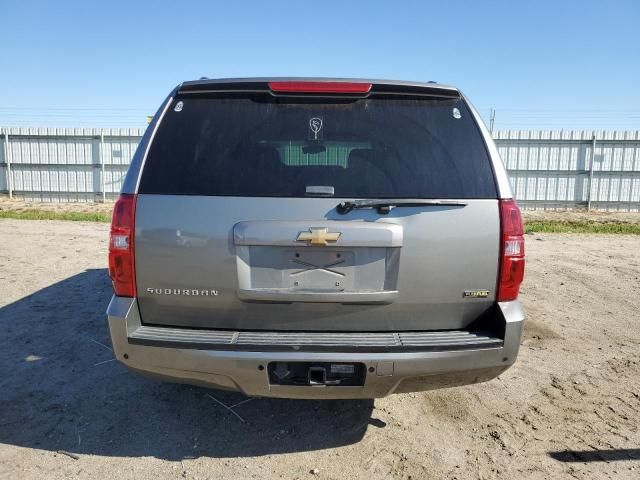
(316, 374)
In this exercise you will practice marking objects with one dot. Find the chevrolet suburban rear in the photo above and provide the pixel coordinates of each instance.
(316, 238)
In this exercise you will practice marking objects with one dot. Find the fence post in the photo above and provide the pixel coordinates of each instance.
(4, 155)
(593, 158)
(7, 157)
(102, 169)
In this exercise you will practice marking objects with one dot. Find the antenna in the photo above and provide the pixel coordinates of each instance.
(492, 120)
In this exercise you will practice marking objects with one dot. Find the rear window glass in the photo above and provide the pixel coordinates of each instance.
(279, 147)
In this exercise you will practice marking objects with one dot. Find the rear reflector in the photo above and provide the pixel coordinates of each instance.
(320, 87)
(511, 271)
(121, 257)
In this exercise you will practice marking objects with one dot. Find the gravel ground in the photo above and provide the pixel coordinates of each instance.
(568, 408)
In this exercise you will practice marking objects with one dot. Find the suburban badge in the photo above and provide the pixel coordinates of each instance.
(191, 292)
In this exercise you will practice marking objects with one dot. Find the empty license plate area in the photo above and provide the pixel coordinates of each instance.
(317, 269)
(316, 374)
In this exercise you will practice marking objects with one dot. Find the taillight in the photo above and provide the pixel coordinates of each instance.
(121, 258)
(511, 251)
(320, 87)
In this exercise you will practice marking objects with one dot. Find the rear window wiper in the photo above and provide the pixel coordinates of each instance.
(384, 206)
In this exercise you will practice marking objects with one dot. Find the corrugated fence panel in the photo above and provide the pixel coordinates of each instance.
(548, 169)
(118, 151)
(52, 178)
(553, 169)
(52, 150)
(51, 164)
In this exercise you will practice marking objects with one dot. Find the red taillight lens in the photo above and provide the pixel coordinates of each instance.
(511, 251)
(320, 87)
(121, 259)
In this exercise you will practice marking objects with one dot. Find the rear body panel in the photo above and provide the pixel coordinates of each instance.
(187, 243)
(250, 279)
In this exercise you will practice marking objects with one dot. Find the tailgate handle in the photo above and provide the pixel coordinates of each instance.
(285, 295)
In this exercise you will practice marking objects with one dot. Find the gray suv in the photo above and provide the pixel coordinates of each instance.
(316, 238)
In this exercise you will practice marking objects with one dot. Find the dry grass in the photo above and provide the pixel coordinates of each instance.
(575, 221)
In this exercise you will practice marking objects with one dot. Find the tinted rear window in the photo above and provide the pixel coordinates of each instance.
(279, 147)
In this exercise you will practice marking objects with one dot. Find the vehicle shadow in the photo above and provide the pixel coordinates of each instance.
(60, 389)
(583, 456)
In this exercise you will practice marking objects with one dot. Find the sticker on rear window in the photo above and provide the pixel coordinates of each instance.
(456, 114)
(178, 107)
(315, 124)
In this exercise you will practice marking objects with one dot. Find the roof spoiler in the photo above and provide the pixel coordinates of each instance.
(296, 86)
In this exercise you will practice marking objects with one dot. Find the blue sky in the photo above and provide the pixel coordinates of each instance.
(540, 64)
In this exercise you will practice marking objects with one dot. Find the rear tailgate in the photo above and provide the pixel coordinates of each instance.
(230, 232)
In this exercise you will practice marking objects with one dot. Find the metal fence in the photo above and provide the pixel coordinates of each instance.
(573, 169)
(548, 169)
(65, 164)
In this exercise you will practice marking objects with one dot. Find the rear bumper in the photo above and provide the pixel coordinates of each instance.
(388, 370)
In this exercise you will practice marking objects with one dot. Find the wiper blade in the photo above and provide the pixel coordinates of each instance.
(384, 206)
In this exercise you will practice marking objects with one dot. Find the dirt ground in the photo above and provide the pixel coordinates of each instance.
(568, 408)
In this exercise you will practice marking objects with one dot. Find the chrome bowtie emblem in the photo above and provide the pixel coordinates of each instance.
(318, 236)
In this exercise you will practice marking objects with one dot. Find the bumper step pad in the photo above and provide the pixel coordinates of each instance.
(313, 341)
